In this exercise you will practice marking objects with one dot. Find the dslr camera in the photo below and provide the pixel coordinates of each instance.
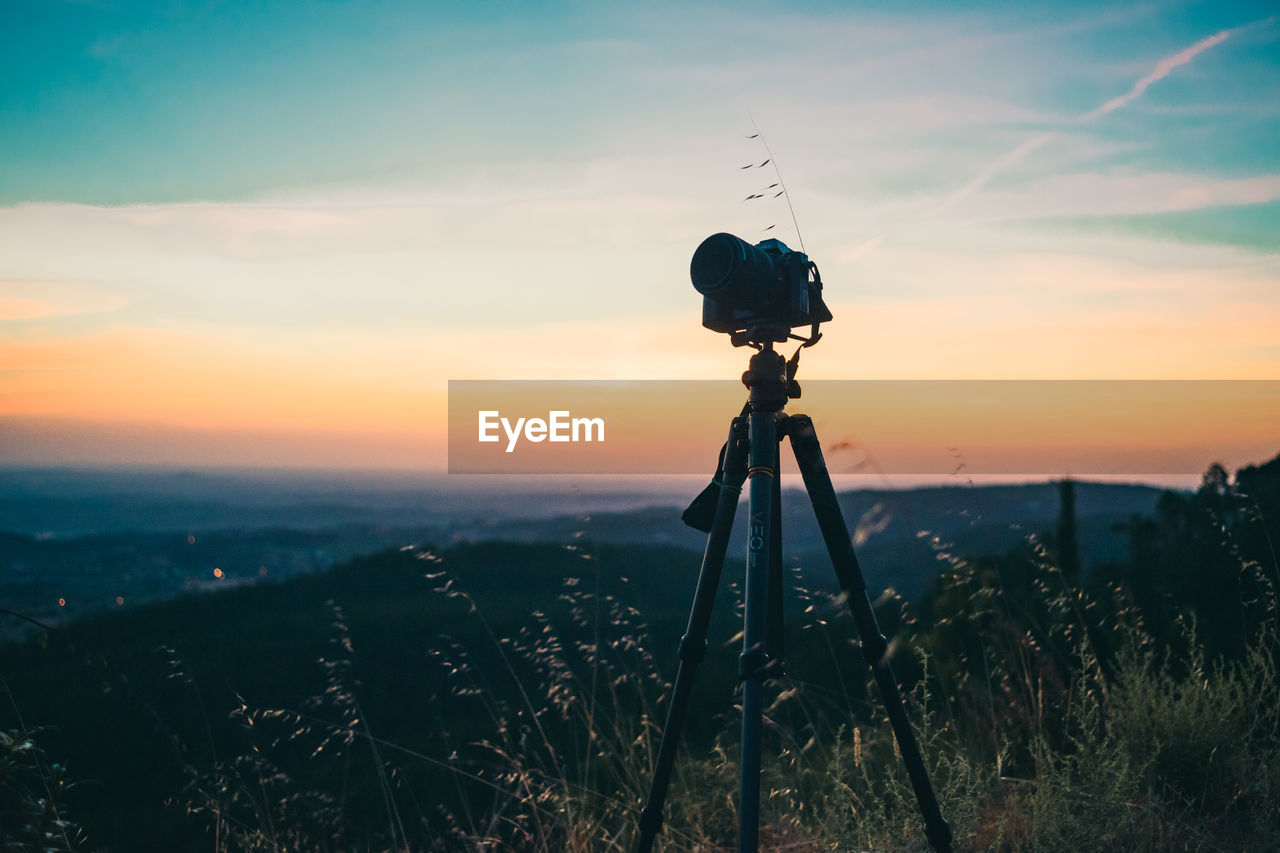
(757, 293)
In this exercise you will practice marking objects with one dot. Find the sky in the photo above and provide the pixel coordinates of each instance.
(268, 234)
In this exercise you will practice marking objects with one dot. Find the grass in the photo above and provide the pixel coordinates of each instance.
(1049, 721)
(1156, 751)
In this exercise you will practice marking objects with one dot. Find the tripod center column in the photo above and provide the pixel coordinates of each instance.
(766, 379)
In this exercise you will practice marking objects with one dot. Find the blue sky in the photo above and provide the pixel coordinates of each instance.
(238, 197)
(157, 102)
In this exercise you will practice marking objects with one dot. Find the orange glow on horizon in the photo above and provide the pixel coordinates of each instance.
(180, 380)
(208, 395)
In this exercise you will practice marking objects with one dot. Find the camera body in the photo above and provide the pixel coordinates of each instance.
(756, 293)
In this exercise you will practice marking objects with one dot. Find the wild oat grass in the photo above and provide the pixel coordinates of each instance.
(32, 790)
(1049, 720)
(1031, 741)
(570, 757)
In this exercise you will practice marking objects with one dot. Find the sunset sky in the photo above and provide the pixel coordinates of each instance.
(269, 234)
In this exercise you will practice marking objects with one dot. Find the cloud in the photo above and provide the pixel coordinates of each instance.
(1248, 226)
(1121, 193)
(31, 300)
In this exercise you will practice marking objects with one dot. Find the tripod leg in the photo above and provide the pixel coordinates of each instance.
(817, 482)
(694, 642)
(774, 640)
(753, 663)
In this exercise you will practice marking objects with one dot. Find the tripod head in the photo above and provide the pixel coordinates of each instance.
(771, 379)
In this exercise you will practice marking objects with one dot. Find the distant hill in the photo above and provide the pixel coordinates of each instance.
(158, 536)
(899, 526)
(64, 503)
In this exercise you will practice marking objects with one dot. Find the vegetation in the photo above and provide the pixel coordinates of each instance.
(510, 697)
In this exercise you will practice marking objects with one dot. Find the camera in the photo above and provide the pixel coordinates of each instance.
(756, 293)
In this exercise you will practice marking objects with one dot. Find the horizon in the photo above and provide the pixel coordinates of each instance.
(393, 479)
(381, 509)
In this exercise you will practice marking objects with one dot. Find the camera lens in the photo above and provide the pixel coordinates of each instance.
(728, 267)
(715, 261)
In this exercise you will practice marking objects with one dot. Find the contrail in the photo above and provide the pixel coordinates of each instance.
(996, 167)
(1163, 69)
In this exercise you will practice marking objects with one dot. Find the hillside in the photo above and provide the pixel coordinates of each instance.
(130, 701)
(427, 697)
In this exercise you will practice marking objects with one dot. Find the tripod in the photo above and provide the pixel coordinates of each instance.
(753, 452)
